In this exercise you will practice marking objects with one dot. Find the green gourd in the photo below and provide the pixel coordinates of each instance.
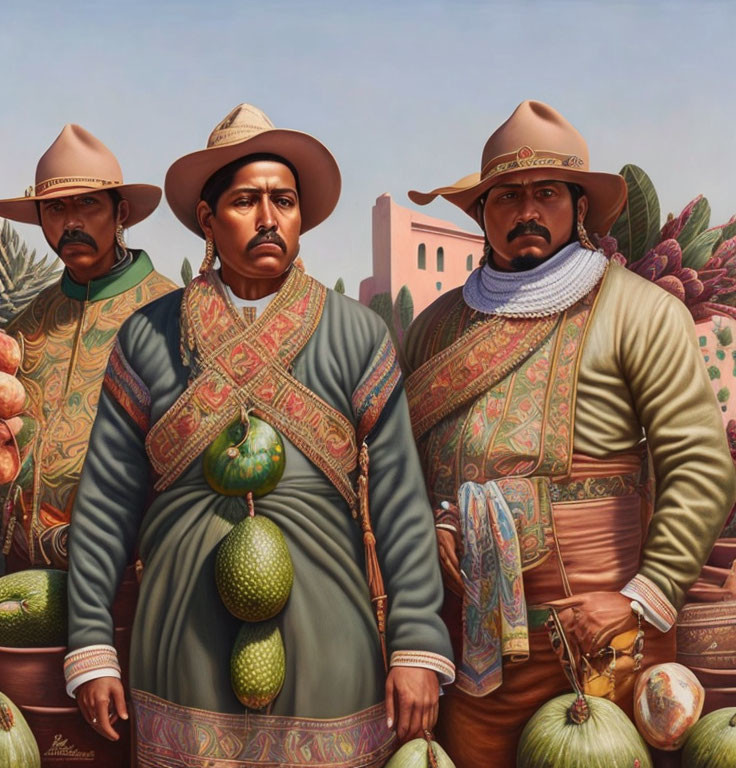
(420, 753)
(18, 748)
(712, 741)
(246, 457)
(258, 664)
(33, 608)
(576, 731)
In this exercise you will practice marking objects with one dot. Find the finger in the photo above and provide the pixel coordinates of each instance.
(451, 553)
(414, 729)
(405, 705)
(118, 700)
(427, 719)
(390, 701)
(102, 713)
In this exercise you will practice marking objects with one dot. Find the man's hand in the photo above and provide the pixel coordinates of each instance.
(412, 701)
(101, 701)
(591, 620)
(449, 562)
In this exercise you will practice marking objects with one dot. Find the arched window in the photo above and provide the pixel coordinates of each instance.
(422, 256)
(440, 259)
(469, 262)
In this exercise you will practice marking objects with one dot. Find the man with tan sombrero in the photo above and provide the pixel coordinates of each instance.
(258, 396)
(81, 204)
(530, 389)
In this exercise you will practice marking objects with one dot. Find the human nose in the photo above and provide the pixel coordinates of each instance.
(72, 219)
(528, 209)
(266, 214)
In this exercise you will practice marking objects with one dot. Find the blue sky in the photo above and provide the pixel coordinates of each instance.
(403, 93)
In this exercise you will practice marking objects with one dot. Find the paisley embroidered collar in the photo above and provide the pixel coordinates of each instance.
(552, 287)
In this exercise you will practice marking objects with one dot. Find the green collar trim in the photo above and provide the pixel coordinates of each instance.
(111, 284)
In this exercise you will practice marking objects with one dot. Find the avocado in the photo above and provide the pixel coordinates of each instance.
(258, 664)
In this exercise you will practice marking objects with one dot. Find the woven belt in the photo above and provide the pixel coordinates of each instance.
(595, 488)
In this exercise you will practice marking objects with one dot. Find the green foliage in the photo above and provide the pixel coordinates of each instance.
(381, 305)
(723, 395)
(186, 272)
(637, 228)
(728, 231)
(340, 286)
(22, 277)
(696, 224)
(700, 248)
(404, 309)
(714, 372)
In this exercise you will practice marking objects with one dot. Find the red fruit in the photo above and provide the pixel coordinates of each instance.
(12, 396)
(9, 463)
(9, 428)
(9, 354)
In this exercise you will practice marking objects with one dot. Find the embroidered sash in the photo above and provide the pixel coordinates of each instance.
(510, 385)
(239, 365)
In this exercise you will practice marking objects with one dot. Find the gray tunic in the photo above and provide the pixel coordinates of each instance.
(183, 634)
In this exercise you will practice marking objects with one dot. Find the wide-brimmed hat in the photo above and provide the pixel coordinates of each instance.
(78, 162)
(537, 136)
(248, 131)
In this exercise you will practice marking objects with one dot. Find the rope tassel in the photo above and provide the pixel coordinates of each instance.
(372, 568)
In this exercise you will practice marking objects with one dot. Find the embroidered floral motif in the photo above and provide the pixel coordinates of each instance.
(126, 387)
(202, 739)
(246, 366)
(374, 391)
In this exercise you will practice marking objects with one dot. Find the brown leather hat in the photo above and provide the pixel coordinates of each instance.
(76, 163)
(537, 136)
(247, 131)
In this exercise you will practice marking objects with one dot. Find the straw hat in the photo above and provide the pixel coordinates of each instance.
(537, 136)
(247, 131)
(76, 163)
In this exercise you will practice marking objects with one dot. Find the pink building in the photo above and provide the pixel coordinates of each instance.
(427, 255)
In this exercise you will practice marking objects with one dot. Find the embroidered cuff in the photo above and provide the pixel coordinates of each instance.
(439, 664)
(658, 610)
(88, 663)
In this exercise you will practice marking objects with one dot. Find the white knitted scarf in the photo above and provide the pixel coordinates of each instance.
(552, 287)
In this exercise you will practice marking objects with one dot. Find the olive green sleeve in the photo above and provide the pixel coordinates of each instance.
(693, 469)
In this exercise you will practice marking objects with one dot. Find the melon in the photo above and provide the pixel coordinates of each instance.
(18, 748)
(576, 731)
(668, 700)
(33, 608)
(711, 742)
(416, 754)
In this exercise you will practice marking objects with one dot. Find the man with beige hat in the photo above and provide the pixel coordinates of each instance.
(256, 399)
(81, 204)
(530, 389)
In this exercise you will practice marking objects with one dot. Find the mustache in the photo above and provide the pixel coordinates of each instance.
(73, 236)
(530, 227)
(266, 236)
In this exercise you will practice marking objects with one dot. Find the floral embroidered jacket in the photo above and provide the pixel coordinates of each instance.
(66, 334)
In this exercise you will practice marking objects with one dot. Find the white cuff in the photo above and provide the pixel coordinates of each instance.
(88, 663)
(444, 668)
(658, 610)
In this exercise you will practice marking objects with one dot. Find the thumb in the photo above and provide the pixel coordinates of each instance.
(390, 701)
(118, 697)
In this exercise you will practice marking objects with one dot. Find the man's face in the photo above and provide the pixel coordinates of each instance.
(80, 229)
(257, 222)
(528, 218)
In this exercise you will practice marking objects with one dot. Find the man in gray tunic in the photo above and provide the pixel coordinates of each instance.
(258, 348)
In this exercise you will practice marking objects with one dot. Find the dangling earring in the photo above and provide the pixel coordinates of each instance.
(120, 241)
(583, 237)
(209, 256)
(487, 252)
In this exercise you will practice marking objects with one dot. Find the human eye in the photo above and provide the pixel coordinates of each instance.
(243, 201)
(88, 201)
(283, 201)
(53, 207)
(547, 192)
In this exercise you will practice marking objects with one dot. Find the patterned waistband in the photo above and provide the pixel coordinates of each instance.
(595, 488)
(169, 735)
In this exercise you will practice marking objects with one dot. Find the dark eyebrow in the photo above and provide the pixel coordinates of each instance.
(541, 183)
(255, 190)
